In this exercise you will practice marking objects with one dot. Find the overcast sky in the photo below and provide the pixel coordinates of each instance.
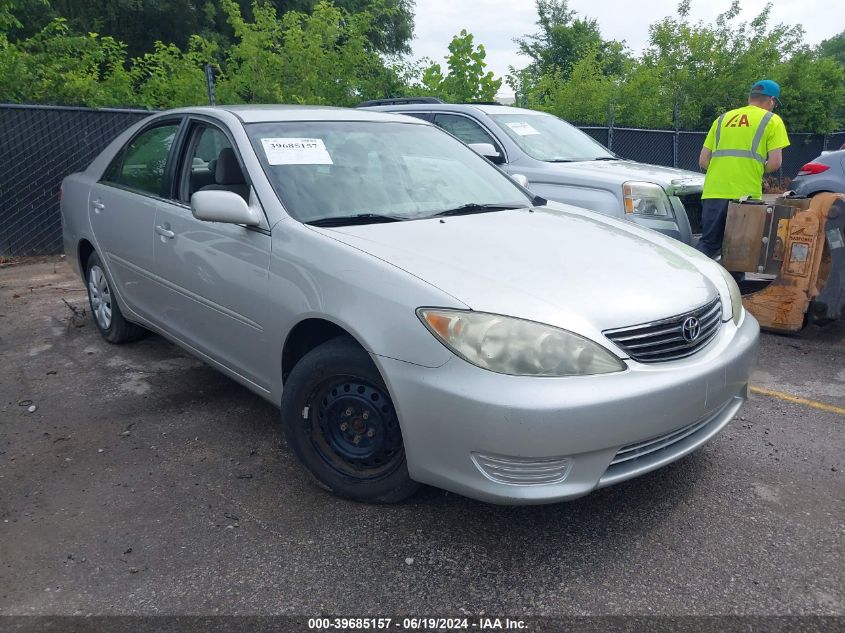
(495, 23)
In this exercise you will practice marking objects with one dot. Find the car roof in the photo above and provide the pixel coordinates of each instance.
(278, 113)
(454, 107)
(834, 154)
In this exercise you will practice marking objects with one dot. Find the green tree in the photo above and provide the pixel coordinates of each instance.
(138, 23)
(710, 67)
(834, 47)
(584, 97)
(56, 66)
(8, 21)
(702, 69)
(391, 23)
(324, 57)
(168, 77)
(466, 79)
(20, 19)
(642, 99)
(814, 91)
(562, 40)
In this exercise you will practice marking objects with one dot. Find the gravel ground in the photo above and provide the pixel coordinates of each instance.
(144, 482)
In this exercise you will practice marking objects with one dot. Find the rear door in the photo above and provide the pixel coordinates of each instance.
(214, 275)
(122, 208)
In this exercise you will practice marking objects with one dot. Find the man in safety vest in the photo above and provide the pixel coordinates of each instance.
(742, 144)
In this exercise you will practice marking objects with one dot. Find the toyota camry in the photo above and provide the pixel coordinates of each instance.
(418, 316)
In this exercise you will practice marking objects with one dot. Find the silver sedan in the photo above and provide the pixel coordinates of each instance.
(418, 316)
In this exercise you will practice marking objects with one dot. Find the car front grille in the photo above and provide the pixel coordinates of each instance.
(692, 205)
(641, 449)
(646, 455)
(669, 339)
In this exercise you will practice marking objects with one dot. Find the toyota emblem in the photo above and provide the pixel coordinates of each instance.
(691, 329)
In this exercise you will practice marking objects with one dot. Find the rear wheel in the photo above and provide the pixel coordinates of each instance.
(340, 422)
(104, 307)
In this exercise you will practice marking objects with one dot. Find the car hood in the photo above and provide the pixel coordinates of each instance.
(679, 181)
(555, 264)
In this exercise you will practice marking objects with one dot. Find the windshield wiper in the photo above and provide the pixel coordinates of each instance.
(607, 158)
(360, 218)
(473, 207)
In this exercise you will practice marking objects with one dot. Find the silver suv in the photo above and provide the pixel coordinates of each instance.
(564, 164)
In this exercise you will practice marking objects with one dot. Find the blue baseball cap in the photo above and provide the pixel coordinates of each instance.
(768, 88)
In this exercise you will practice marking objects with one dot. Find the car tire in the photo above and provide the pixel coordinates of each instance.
(104, 306)
(340, 421)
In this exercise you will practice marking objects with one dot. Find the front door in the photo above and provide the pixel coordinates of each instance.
(215, 275)
(467, 129)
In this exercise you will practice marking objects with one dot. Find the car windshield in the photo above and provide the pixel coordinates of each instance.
(547, 138)
(365, 171)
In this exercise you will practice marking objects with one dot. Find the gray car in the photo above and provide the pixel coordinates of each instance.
(417, 315)
(823, 174)
(564, 164)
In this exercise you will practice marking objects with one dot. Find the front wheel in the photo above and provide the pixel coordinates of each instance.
(340, 422)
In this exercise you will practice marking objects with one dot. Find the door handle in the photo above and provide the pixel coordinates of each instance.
(165, 232)
(98, 206)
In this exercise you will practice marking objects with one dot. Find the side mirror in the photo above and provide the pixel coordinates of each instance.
(218, 205)
(487, 151)
(521, 180)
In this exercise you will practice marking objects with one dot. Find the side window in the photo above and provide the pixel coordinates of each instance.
(464, 128)
(210, 143)
(141, 164)
(204, 156)
(425, 116)
(213, 164)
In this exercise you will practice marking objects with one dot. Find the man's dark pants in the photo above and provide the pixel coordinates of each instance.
(714, 214)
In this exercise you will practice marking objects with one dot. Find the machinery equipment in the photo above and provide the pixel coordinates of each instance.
(802, 242)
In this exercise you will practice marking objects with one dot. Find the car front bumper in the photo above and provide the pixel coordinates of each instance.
(522, 440)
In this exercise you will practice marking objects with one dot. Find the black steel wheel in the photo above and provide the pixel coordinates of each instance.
(340, 421)
(354, 428)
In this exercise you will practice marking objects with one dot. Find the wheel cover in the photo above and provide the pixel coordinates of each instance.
(100, 295)
(353, 427)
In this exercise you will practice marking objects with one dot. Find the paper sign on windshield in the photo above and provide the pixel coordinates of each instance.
(296, 151)
(522, 128)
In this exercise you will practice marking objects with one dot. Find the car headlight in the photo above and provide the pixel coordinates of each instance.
(507, 345)
(736, 295)
(646, 198)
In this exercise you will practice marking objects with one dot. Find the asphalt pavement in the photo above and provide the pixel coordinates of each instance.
(136, 480)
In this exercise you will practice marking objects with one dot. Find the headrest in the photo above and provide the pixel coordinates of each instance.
(228, 171)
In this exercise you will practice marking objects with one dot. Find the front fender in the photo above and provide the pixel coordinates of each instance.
(313, 275)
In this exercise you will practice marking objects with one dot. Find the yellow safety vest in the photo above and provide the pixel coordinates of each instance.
(740, 141)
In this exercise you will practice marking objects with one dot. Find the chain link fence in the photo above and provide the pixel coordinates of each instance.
(40, 145)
